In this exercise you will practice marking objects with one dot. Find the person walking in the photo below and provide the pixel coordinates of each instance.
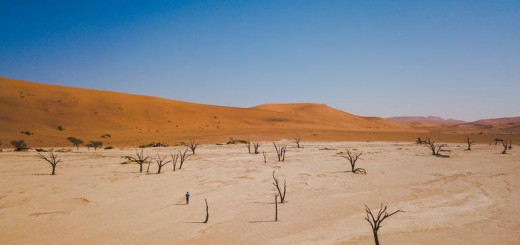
(187, 197)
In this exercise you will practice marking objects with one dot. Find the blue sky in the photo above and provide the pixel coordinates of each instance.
(455, 59)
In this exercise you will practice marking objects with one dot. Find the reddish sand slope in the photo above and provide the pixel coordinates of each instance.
(134, 119)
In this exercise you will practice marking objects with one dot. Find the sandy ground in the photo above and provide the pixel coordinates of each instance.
(470, 198)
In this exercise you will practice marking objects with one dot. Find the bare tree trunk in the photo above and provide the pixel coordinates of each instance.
(265, 157)
(376, 238)
(207, 211)
(276, 207)
(53, 169)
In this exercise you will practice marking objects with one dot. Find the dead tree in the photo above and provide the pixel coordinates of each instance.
(184, 155)
(275, 207)
(174, 161)
(248, 145)
(52, 160)
(277, 185)
(352, 158)
(436, 148)
(419, 141)
(469, 142)
(506, 146)
(255, 147)
(139, 159)
(510, 145)
(375, 221)
(280, 152)
(207, 211)
(193, 146)
(160, 162)
(297, 141)
(498, 140)
(75, 141)
(265, 157)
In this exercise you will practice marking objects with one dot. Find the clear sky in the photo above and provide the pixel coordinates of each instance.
(455, 59)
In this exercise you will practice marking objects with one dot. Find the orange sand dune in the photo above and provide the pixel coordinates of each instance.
(132, 120)
(135, 119)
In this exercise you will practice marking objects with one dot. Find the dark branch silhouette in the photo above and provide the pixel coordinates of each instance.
(184, 155)
(207, 211)
(52, 160)
(506, 145)
(469, 142)
(160, 162)
(174, 160)
(277, 185)
(436, 148)
(280, 152)
(275, 207)
(255, 147)
(265, 157)
(297, 141)
(352, 158)
(375, 221)
(193, 146)
(248, 145)
(139, 159)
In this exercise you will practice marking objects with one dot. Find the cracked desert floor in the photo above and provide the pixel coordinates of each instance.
(470, 198)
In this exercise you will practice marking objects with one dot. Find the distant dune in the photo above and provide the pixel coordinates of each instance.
(507, 125)
(431, 120)
(40, 110)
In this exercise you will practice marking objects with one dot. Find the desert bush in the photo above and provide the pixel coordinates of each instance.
(94, 144)
(277, 185)
(75, 141)
(53, 160)
(376, 220)
(19, 145)
(153, 144)
(104, 136)
(61, 128)
(280, 152)
(352, 158)
(109, 147)
(232, 141)
(27, 132)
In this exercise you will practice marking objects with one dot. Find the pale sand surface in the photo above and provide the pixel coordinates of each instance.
(470, 198)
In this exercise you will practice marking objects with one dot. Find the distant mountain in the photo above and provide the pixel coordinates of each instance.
(431, 120)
